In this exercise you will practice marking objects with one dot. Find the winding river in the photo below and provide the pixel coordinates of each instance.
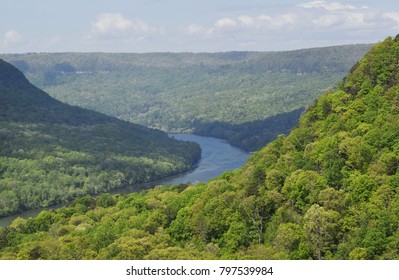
(217, 157)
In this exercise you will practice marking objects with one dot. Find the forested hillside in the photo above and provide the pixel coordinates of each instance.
(328, 190)
(214, 94)
(51, 152)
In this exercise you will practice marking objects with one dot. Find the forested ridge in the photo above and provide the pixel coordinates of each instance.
(51, 152)
(328, 190)
(213, 94)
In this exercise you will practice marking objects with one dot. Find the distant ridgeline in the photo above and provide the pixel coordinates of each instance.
(51, 152)
(230, 95)
(327, 190)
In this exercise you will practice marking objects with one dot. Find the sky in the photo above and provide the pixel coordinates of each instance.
(142, 26)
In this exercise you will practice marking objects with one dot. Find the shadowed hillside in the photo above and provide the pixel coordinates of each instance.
(51, 152)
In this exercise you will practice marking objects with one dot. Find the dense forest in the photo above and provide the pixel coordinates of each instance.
(328, 190)
(51, 152)
(202, 93)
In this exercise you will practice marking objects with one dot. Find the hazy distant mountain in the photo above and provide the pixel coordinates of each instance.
(216, 94)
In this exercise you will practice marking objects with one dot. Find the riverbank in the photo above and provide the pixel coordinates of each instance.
(217, 157)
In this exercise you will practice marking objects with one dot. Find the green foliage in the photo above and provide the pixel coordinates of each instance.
(322, 229)
(328, 190)
(302, 188)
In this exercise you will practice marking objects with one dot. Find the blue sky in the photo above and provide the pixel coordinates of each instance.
(191, 26)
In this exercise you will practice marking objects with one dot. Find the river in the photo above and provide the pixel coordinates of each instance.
(217, 157)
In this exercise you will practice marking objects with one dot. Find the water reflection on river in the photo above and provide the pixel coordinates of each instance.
(217, 157)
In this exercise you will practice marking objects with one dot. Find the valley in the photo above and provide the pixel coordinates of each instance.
(326, 190)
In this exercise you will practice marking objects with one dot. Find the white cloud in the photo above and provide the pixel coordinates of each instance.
(329, 6)
(244, 23)
(392, 16)
(266, 21)
(194, 29)
(110, 31)
(225, 23)
(111, 22)
(264, 18)
(12, 37)
(356, 20)
(115, 24)
(327, 21)
(285, 20)
(305, 17)
(337, 15)
(353, 20)
(246, 20)
(316, 21)
(13, 41)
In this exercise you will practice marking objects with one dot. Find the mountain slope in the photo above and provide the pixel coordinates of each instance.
(52, 152)
(204, 93)
(328, 190)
